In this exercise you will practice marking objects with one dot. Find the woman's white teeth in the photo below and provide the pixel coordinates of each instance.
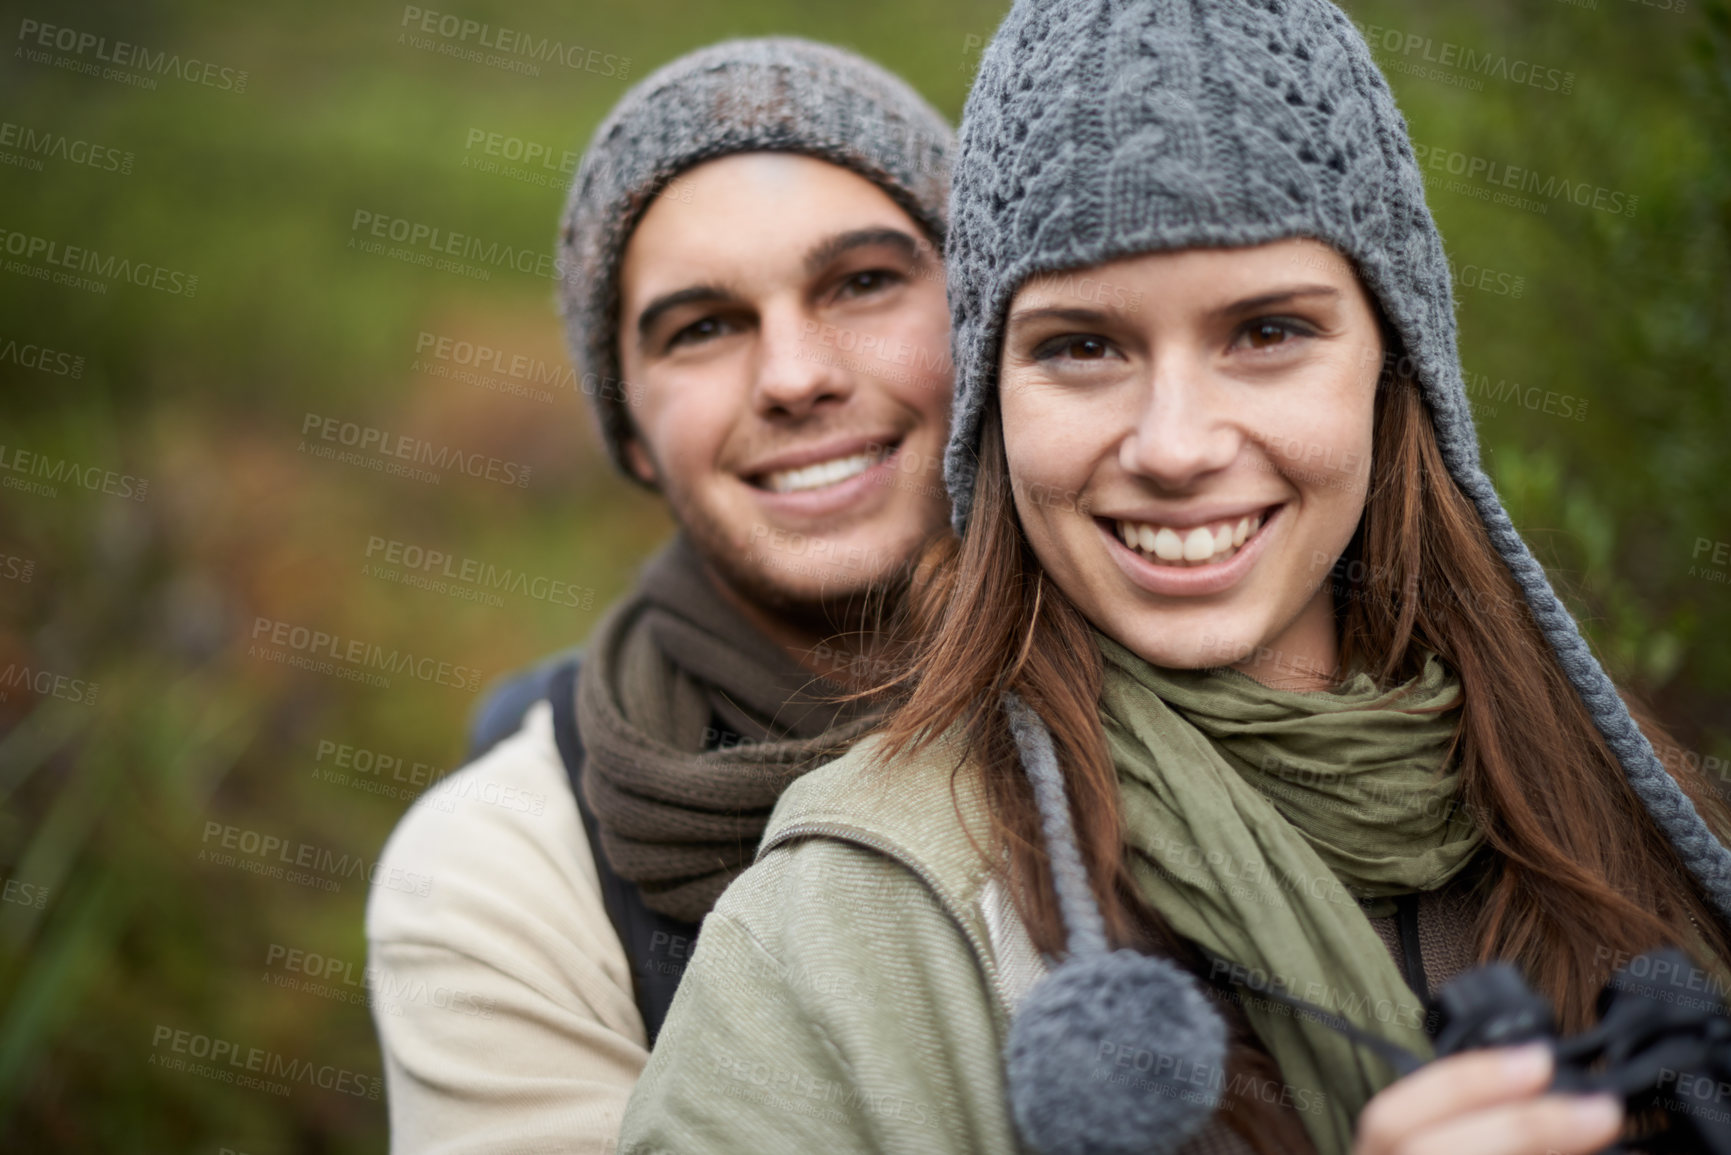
(823, 473)
(1201, 545)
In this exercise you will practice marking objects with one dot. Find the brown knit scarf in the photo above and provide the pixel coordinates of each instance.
(662, 667)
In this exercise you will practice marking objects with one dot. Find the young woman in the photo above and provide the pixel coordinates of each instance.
(1238, 663)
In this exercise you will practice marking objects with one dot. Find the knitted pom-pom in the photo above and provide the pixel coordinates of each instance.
(1115, 1052)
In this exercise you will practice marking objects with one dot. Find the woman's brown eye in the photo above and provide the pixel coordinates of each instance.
(1069, 347)
(1268, 333)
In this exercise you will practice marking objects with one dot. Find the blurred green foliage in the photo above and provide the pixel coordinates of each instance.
(126, 930)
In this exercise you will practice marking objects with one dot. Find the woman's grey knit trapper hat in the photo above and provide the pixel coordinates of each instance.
(1100, 129)
(772, 94)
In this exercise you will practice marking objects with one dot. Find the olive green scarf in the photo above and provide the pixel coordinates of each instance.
(1257, 819)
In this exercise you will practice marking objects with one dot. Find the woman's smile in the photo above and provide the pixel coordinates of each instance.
(1212, 557)
(1194, 543)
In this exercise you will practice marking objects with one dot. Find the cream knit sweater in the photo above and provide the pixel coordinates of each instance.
(503, 997)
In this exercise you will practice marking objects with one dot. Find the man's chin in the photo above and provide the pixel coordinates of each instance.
(817, 596)
(809, 579)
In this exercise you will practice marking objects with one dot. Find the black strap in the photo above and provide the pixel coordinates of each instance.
(657, 945)
(500, 713)
(1406, 920)
(1221, 975)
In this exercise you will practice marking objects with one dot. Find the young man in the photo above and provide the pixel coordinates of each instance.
(754, 297)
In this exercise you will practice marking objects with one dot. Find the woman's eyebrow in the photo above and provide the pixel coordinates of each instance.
(1070, 316)
(653, 311)
(1083, 316)
(1277, 297)
(827, 250)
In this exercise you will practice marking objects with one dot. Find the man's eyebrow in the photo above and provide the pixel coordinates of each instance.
(652, 312)
(816, 260)
(826, 251)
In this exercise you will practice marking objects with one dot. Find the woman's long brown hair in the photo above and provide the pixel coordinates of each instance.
(1581, 878)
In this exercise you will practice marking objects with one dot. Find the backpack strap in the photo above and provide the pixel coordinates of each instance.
(657, 945)
(500, 713)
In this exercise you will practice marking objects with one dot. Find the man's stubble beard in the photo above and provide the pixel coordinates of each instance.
(851, 609)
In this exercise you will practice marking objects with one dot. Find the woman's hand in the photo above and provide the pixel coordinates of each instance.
(1489, 1102)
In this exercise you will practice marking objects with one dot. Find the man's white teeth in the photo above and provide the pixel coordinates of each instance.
(817, 476)
(1202, 545)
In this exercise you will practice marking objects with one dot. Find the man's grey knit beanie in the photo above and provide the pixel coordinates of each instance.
(1100, 129)
(773, 94)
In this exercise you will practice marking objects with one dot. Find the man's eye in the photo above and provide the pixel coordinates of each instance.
(865, 282)
(698, 332)
(1075, 348)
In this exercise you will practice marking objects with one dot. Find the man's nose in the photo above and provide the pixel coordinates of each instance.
(795, 372)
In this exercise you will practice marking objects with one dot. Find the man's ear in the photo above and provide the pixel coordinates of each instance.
(638, 458)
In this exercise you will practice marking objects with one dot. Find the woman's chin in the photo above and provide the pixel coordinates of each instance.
(1173, 647)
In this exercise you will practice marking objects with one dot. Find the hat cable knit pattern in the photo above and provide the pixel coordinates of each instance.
(1100, 129)
(771, 94)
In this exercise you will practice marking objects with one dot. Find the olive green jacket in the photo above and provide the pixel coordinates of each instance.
(852, 990)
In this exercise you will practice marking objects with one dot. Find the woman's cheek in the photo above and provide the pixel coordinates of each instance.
(1030, 466)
